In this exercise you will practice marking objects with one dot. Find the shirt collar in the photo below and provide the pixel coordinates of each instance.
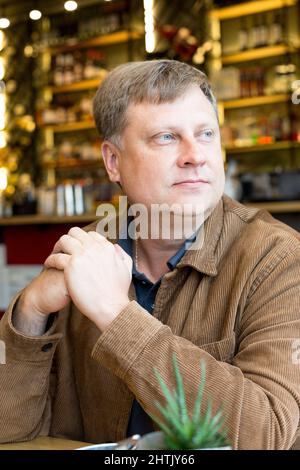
(126, 244)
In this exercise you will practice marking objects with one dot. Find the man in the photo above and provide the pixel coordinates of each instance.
(87, 372)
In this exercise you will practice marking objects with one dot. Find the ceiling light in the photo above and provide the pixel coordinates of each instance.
(4, 23)
(3, 178)
(70, 5)
(35, 15)
(149, 26)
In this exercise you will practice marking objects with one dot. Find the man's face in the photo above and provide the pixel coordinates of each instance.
(171, 153)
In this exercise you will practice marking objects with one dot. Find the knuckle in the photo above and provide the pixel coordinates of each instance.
(74, 230)
(64, 238)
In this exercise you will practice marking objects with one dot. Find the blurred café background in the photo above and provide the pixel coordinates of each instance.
(53, 55)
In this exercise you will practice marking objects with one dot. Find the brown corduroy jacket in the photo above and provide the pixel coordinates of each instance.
(234, 303)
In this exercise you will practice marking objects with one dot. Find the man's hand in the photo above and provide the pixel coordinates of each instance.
(97, 274)
(46, 294)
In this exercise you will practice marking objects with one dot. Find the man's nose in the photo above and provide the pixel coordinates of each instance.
(190, 153)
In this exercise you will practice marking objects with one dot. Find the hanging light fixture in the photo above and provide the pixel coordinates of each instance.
(149, 26)
(3, 178)
(35, 15)
(4, 21)
(70, 5)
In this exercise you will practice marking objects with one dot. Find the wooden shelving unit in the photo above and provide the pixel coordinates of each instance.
(255, 101)
(273, 207)
(78, 86)
(74, 163)
(284, 145)
(277, 207)
(70, 126)
(239, 59)
(44, 219)
(104, 40)
(250, 8)
(258, 54)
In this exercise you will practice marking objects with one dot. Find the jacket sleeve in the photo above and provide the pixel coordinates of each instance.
(259, 389)
(24, 379)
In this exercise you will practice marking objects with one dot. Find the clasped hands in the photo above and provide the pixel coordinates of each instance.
(97, 274)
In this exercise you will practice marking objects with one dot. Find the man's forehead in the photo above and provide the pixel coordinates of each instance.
(164, 111)
(157, 99)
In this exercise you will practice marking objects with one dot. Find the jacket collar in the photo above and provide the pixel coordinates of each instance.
(204, 259)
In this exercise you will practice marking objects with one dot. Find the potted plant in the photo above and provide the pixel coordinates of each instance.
(179, 430)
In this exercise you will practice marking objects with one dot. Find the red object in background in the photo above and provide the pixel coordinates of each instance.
(31, 244)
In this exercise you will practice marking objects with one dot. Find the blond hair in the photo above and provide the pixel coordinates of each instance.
(157, 81)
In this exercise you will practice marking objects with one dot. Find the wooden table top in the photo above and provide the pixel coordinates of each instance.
(44, 443)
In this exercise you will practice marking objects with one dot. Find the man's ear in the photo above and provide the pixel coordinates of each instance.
(111, 155)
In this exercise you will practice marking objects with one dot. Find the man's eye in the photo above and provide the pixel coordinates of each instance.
(164, 138)
(207, 135)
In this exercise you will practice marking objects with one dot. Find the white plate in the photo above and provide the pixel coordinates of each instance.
(106, 446)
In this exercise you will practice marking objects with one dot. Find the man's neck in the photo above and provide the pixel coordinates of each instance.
(156, 246)
(152, 256)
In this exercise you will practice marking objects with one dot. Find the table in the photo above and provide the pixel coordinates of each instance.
(44, 443)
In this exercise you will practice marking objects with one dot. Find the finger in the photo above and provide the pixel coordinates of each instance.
(128, 261)
(124, 257)
(78, 234)
(67, 245)
(57, 261)
(97, 237)
(120, 252)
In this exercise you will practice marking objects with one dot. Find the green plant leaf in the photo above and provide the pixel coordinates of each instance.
(173, 420)
(198, 402)
(180, 391)
(172, 402)
(202, 429)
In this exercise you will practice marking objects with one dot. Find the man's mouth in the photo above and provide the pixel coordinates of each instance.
(191, 183)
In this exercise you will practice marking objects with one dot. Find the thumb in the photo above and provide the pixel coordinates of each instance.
(124, 257)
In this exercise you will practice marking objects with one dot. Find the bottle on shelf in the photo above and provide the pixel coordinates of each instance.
(254, 33)
(78, 66)
(243, 35)
(275, 30)
(25, 201)
(260, 76)
(253, 82)
(58, 75)
(46, 199)
(295, 128)
(263, 32)
(69, 69)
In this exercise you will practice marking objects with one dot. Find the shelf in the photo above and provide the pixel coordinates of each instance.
(44, 219)
(78, 86)
(74, 163)
(70, 126)
(105, 40)
(276, 207)
(256, 54)
(255, 101)
(284, 145)
(250, 8)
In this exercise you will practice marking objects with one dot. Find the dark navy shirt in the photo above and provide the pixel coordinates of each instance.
(139, 421)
